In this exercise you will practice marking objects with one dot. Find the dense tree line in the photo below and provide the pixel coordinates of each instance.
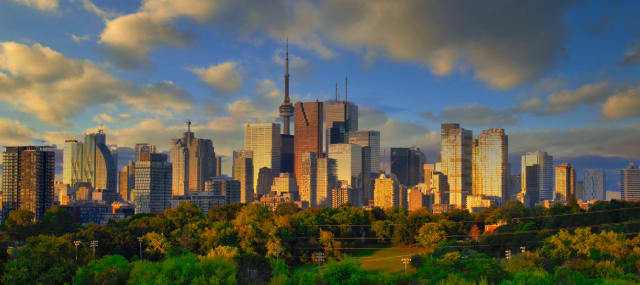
(240, 244)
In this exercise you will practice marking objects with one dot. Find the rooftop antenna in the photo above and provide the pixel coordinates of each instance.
(188, 125)
(336, 91)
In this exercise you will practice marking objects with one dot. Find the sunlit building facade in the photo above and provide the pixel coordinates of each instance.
(594, 183)
(565, 182)
(243, 172)
(308, 118)
(326, 179)
(264, 140)
(491, 166)
(545, 173)
(456, 162)
(348, 164)
(193, 160)
(387, 192)
(340, 111)
(152, 192)
(308, 179)
(630, 183)
(368, 139)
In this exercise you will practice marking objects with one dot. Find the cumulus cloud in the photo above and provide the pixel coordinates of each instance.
(40, 81)
(398, 133)
(12, 132)
(620, 141)
(131, 37)
(106, 118)
(80, 38)
(622, 105)
(297, 65)
(505, 49)
(632, 57)
(224, 77)
(44, 5)
(567, 100)
(474, 115)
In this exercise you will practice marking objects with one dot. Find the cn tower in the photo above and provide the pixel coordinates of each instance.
(286, 109)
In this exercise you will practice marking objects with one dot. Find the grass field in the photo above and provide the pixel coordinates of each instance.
(386, 258)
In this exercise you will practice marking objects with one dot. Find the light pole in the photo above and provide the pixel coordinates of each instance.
(405, 261)
(522, 249)
(507, 254)
(140, 243)
(93, 244)
(76, 243)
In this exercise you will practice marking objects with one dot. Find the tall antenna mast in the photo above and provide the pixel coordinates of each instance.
(286, 75)
(336, 91)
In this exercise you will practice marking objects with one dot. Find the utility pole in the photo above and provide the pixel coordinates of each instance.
(76, 244)
(522, 249)
(405, 261)
(93, 244)
(507, 254)
(318, 257)
(140, 243)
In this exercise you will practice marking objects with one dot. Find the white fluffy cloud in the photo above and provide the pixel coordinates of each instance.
(517, 45)
(44, 5)
(12, 132)
(224, 77)
(567, 100)
(622, 105)
(40, 81)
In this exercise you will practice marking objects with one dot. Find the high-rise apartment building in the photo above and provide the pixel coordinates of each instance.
(127, 179)
(193, 160)
(243, 172)
(630, 183)
(327, 179)
(456, 162)
(341, 196)
(368, 139)
(594, 183)
(308, 133)
(28, 174)
(408, 165)
(308, 179)
(387, 192)
(491, 166)
(565, 182)
(545, 173)
(100, 165)
(417, 200)
(264, 141)
(152, 192)
(428, 169)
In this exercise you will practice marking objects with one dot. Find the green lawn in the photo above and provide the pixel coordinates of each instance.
(386, 258)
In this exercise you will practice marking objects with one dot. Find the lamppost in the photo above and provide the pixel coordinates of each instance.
(76, 243)
(405, 261)
(93, 244)
(522, 249)
(140, 239)
(507, 254)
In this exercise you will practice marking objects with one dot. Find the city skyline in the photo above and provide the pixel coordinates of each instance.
(561, 106)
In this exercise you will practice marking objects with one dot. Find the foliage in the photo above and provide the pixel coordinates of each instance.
(110, 269)
(186, 269)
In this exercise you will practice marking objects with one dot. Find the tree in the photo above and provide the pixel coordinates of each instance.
(157, 244)
(56, 221)
(185, 269)
(109, 270)
(431, 235)
(19, 224)
(43, 260)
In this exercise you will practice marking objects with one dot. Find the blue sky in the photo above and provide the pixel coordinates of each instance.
(558, 76)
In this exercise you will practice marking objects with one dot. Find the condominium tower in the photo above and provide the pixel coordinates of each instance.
(152, 193)
(545, 173)
(594, 183)
(490, 165)
(456, 162)
(565, 182)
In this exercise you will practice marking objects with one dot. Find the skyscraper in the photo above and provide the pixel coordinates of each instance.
(490, 165)
(28, 173)
(340, 111)
(348, 164)
(372, 140)
(193, 160)
(152, 193)
(100, 167)
(264, 141)
(144, 148)
(265, 180)
(285, 183)
(594, 183)
(530, 194)
(287, 149)
(387, 192)
(72, 162)
(286, 109)
(456, 162)
(308, 132)
(229, 188)
(545, 173)
(565, 182)
(341, 196)
(243, 172)
(127, 179)
(630, 183)
(308, 180)
(218, 166)
(408, 165)
(327, 179)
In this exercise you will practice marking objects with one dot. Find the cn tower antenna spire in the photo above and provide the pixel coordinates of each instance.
(286, 109)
